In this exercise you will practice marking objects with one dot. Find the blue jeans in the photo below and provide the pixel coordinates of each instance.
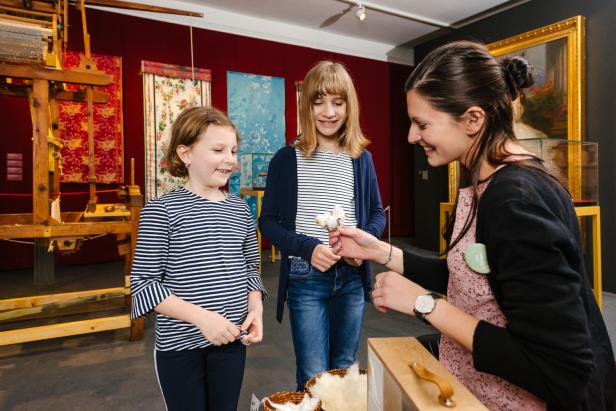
(326, 311)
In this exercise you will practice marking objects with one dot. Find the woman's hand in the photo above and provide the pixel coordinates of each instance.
(323, 258)
(254, 320)
(391, 290)
(352, 242)
(217, 329)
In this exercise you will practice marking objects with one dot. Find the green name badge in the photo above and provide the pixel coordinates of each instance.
(477, 258)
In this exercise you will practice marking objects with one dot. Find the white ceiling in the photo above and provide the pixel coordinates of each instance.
(380, 36)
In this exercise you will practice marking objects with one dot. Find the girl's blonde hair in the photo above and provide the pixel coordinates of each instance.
(186, 130)
(329, 78)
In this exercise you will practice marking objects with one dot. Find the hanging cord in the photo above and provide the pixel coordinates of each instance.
(192, 60)
(18, 241)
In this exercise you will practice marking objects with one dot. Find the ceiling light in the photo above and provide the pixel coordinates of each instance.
(360, 13)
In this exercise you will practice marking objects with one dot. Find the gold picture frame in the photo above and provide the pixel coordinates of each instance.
(570, 31)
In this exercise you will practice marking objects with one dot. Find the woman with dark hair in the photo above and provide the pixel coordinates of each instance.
(520, 326)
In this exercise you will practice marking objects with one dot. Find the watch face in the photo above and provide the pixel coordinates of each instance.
(425, 304)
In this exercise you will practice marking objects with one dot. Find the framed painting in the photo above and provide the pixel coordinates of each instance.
(554, 106)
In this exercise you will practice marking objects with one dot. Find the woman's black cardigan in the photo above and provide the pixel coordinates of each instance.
(555, 344)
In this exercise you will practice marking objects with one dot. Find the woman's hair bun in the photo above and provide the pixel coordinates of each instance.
(518, 74)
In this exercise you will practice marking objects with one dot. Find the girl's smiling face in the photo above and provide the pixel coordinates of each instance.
(212, 158)
(329, 112)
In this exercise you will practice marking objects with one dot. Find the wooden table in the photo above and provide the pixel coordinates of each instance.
(393, 386)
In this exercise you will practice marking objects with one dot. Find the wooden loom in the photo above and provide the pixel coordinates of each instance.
(40, 77)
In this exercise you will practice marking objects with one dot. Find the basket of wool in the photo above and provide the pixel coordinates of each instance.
(291, 401)
(342, 389)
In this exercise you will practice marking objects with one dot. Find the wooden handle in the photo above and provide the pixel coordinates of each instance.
(445, 397)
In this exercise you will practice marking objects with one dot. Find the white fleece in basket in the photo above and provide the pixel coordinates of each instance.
(348, 393)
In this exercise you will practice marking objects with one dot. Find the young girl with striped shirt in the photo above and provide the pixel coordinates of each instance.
(196, 264)
(327, 165)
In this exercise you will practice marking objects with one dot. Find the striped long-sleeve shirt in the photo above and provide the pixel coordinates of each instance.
(323, 181)
(202, 251)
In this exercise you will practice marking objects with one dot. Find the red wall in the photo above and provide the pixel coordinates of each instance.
(379, 86)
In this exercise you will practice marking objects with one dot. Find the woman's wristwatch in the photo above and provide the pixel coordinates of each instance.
(425, 304)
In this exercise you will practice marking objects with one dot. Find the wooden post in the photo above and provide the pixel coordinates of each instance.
(54, 182)
(91, 161)
(43, 259)
(84, 29)
(132, 171)
(40, 159)
(65, 28)
(135, 202)
(44, 266)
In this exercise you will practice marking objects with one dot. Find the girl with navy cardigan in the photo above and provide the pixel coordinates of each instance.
(327, 165)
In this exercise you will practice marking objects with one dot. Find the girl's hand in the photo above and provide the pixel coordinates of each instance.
(354, 243)
(354, 262)
(217, 329)
(254, 320)
(391, 290)
(323, 258)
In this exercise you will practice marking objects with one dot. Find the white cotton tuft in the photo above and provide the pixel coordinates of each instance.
(331, 219)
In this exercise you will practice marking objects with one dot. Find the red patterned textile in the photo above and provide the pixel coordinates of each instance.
(108, 130)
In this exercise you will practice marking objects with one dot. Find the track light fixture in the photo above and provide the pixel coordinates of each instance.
(360, 13)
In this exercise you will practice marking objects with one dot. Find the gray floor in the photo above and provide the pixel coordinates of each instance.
(105, 371)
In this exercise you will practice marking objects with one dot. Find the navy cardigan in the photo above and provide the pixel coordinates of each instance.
(279, 209)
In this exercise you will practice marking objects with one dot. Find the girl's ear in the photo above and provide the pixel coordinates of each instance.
(184, 153)
(473, 120)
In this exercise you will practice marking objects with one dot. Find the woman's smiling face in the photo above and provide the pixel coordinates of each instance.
(443, 138)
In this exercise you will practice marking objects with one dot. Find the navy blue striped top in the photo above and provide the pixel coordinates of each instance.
(204, 252)
(324, 180)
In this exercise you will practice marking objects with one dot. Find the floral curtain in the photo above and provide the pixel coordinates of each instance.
(108, 130)
(167, 91)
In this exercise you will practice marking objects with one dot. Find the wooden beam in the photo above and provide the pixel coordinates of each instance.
(26, 218)
(81, 96)
(38, 6)
(47, 24)
(65, 95)
(65, 76)
(14, 92)
(118, 4)
(89, 297)
(23, 11)
(8, 219)
(64, 329)
(40, 300)
(48, 6)
(64, 229)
